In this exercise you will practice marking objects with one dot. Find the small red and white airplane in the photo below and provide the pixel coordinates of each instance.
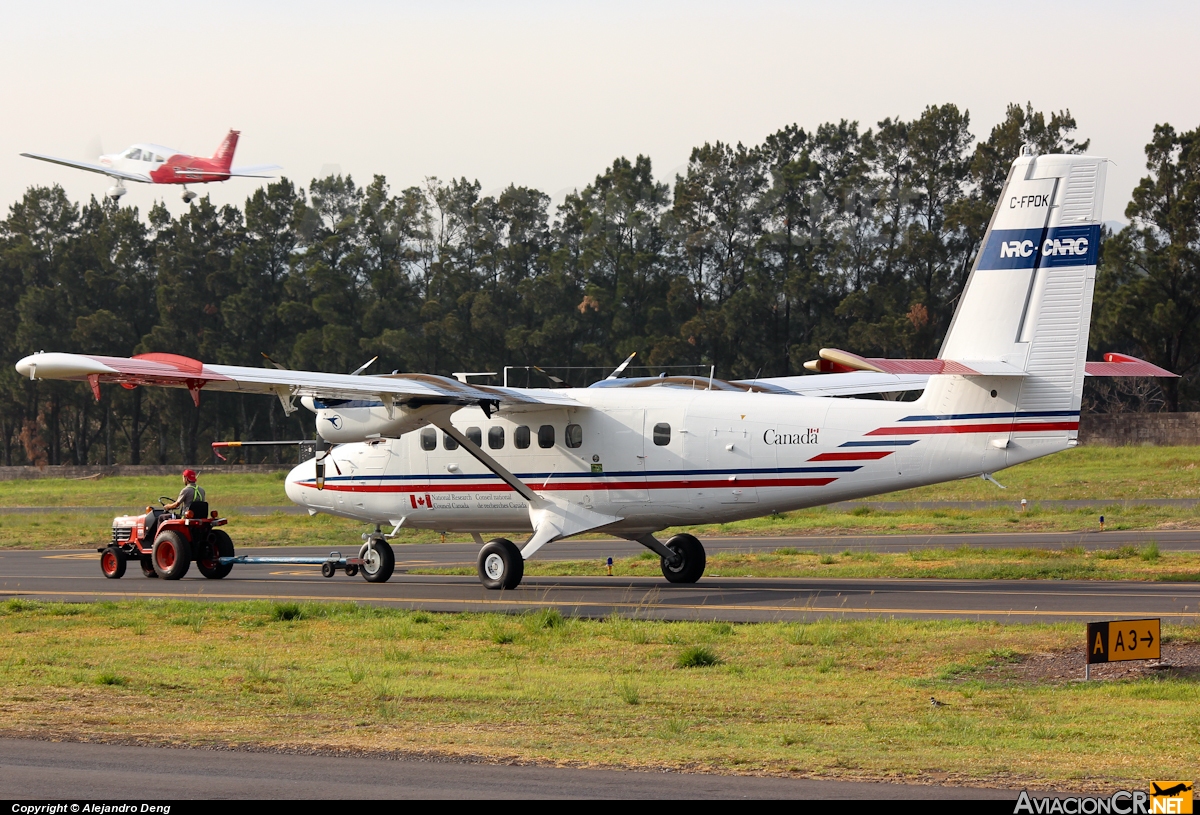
(155, 164)
(634, 456)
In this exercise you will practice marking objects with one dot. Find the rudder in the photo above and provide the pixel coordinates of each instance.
(224, 154)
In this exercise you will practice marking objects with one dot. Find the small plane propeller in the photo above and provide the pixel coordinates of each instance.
(364, 366)
(550, 376)
(620, 368)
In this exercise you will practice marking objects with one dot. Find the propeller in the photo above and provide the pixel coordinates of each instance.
(549, 376)
(363, 367)
(95, 149)
(617, 373)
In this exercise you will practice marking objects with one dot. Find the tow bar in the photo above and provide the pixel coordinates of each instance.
(329, 565)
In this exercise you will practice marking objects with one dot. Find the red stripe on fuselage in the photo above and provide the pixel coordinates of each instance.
(564, 486)
(1001, 427)
(865, 455)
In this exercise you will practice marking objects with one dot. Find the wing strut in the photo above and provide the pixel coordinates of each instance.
(552, 517)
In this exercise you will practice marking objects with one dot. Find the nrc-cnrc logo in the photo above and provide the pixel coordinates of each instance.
(1016, 249)
(1065, 246)
(1061, 247)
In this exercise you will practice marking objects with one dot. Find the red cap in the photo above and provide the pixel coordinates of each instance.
(189, 475)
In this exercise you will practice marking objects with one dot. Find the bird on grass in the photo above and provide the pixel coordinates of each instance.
(936, 703)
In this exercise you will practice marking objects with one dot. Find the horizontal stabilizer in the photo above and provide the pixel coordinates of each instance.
(255, 171)
(1122, 365)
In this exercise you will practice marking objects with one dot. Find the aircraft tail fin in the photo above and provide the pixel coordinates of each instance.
(1028, 300)
(224, 154)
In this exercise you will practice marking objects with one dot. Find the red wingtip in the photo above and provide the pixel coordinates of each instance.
(224, 155)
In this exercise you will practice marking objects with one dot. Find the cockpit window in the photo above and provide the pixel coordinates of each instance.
(135, 154)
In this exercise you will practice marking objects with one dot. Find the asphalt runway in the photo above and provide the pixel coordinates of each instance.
(67, 771)
(75, 576)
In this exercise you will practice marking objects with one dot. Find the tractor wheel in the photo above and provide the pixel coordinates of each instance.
(172, 556)
(148, 566)
(219, 545)
(112, 563)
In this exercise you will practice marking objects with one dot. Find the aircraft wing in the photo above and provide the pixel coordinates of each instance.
(255, 171)
(92, 168)
(172, 371)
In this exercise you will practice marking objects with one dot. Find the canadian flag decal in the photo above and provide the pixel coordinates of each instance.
(421, 501)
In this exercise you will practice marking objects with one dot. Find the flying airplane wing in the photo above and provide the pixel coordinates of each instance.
(173, 371)
(255, 171)
(92, 168)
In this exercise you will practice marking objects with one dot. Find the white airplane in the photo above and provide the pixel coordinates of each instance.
(155, 164)
(634, 456)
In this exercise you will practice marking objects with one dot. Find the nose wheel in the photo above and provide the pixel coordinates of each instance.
(188, 196)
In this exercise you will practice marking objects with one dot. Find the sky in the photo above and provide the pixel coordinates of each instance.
(548, 94)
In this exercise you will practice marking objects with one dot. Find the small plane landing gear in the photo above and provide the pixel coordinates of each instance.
(689, 562)
(682, 557)
(188, 196)
(500, 564)
(378, 561)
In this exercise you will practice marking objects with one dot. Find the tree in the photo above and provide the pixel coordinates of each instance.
(1148, 284)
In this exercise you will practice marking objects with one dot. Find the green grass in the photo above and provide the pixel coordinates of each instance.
(961, 563)
(836, 698)
(135, 492)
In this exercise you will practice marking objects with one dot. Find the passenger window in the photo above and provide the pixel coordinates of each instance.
(448, 442)
(429, 439)
(158, 159)
(521, 437)
(475, 436)
(495, 437)
(574, 435)
(546, 436)
(662, 434)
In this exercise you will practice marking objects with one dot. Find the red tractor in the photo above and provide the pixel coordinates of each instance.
(166, 545)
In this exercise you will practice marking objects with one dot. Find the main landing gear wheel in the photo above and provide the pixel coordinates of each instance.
(379, 561)
(219, 545)
(172, 556)
(690, 563)
(112, 563)
(148, 566)
(500, 564)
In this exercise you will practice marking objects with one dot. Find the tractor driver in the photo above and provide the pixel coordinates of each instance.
(190, 493)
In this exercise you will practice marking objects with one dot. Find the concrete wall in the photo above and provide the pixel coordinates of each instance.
(1139, 429)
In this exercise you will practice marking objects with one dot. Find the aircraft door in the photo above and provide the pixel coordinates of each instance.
(667, 470)
(729, 452)
(624, 460)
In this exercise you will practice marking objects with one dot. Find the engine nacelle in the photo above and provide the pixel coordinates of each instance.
(349, 421)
